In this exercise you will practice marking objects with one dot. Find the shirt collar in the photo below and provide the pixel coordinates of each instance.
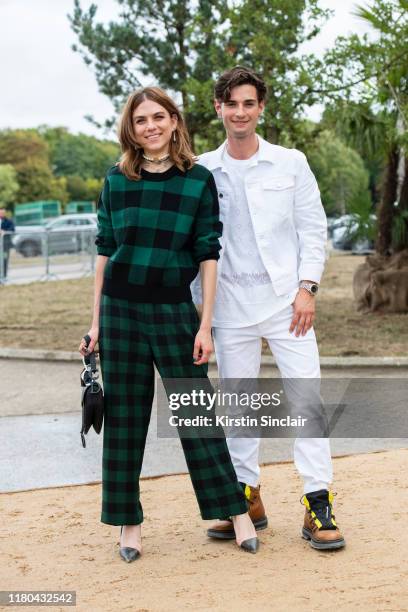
(266, 152)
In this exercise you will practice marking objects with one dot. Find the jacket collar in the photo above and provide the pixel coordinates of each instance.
(267, 153)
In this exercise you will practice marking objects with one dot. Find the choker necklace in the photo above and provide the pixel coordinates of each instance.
(156, 160)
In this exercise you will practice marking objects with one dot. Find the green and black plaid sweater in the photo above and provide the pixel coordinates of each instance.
(156, 231)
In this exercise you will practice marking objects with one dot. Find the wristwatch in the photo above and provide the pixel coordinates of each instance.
(312, 288)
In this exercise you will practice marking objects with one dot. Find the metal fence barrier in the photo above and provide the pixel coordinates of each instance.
(46, 255)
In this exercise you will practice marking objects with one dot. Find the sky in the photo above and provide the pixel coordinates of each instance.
(44, 82)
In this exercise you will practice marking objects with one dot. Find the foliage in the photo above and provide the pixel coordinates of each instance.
(172, 42)
(399, 227)
(341, 175)
(8, 185)
(83, 189)
(38, 183)
(50, 163)
(363, 130)
(267, 36)
(371, 73)
(79, 154)
(16, 146)
(399, 230)
(28, 153)
(184, 45)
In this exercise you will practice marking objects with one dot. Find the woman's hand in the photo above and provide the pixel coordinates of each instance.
(203, 347)
(94, 335)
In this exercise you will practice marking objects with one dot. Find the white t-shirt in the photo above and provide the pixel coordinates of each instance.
(245, 295)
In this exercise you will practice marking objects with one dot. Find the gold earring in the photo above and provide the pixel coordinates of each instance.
(174, 135)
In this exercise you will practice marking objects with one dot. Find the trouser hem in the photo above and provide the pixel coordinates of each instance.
(246, 479)
(221, 513)
(317, 486)
(126, 520)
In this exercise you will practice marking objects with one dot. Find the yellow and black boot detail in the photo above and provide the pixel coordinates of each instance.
(320, 527)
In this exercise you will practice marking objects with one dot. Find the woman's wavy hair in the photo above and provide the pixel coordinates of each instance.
(131, 159)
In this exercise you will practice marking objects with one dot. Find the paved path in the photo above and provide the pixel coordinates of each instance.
(47, 387)
(40, 423)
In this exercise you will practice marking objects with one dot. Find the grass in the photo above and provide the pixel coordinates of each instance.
(55, 315)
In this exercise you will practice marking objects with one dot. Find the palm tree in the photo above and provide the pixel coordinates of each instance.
(388, 19)
(382, 282)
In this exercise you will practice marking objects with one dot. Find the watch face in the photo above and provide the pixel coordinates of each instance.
(314, 288)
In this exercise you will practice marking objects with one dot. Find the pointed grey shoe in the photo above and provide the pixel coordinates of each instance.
(251, 545)
(127, 553)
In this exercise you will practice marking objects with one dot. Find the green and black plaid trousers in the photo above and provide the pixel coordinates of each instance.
(133, 336)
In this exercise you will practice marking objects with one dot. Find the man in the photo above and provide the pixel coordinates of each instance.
(6, 226)
(273, 255)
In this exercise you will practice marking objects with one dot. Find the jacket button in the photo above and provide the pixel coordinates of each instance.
(221, 195)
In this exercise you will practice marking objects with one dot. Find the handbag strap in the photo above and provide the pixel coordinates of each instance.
(90, 359)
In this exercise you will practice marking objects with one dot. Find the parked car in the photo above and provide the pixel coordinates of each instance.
(352, 233)
(66, 234)
(331, 224)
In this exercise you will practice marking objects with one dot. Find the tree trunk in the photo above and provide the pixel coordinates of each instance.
(388, 199)
(403, 199)
(381, 283)
(402, 211)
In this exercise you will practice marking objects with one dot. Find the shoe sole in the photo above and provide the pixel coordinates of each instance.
(306, 535)
(230, 535)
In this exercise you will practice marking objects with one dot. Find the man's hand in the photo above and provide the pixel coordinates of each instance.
(303, 312)
(203, 347)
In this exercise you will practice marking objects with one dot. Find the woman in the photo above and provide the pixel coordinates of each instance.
(157, 225)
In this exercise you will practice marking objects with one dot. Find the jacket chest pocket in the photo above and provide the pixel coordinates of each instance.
(279, 193)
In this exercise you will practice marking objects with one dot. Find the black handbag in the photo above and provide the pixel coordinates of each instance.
(92, 395)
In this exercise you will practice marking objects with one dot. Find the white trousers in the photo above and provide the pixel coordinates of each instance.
(238, 353)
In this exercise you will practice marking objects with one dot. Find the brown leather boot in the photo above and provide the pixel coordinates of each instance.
(224, 530)
(319, 525)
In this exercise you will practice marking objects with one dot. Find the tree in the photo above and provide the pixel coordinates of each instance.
(267, 37)
(93, 188)
(79, 154)
(38, 183)
(183, 45)
(165, 40)
(341, 175)
(365, 131)
(28, 153)
(83, 189)
(8, 185)
(373, 72)
(41, 158)
(16, 146)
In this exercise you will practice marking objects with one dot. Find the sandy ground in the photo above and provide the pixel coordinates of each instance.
(52, 539)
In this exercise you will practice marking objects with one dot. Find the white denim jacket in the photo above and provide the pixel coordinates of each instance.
(286, 210)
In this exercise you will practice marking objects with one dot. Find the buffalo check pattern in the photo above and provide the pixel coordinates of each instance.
(156, 231)
(133, 337)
